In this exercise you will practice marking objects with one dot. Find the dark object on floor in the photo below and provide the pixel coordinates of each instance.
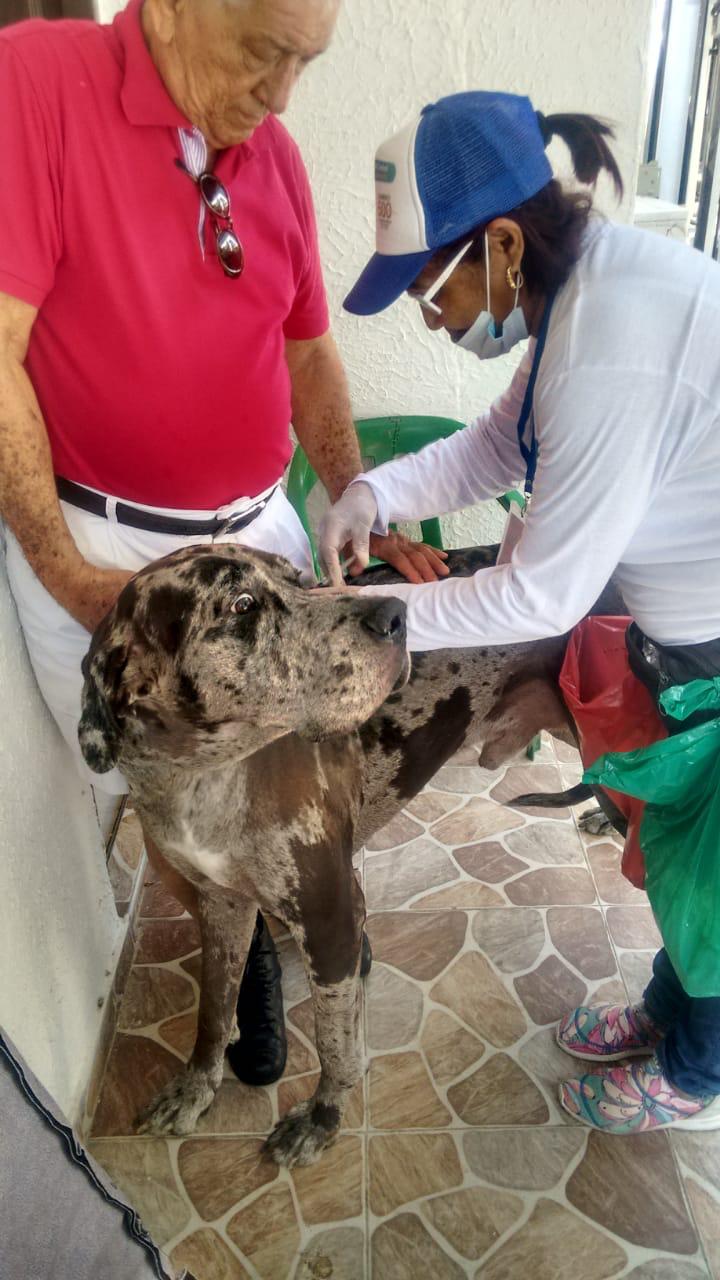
(61, 1215)
(554, 799)
(600, 821)
(259, 1056)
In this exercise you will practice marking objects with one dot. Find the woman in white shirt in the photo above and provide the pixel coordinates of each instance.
(612, 420)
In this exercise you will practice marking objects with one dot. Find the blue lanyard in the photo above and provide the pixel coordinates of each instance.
(530, 452)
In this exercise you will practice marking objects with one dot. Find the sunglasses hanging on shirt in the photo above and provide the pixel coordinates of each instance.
(217, 202)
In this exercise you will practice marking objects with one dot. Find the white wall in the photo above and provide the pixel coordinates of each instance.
(388, 58)
(60, 933)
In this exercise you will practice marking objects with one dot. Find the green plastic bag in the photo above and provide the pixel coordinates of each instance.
(679, 778)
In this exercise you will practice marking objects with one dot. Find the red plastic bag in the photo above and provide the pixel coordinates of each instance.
(613, 711)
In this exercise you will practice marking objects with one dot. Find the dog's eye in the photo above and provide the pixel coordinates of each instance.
(243, 603)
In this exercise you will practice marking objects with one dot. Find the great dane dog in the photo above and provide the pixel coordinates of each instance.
(266, 733)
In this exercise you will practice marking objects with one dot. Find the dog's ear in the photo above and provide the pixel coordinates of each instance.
(98, 730)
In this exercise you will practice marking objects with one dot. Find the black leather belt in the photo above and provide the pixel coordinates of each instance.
(78, 496)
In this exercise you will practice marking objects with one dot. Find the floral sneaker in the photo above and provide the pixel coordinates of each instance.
(636, 1099)
(608, 1032)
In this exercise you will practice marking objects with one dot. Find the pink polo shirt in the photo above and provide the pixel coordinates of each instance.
(161, 380)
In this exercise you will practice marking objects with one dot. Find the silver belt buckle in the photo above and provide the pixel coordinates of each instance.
(228, 525)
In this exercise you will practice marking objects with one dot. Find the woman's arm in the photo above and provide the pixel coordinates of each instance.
(600, 460)
(470, 466)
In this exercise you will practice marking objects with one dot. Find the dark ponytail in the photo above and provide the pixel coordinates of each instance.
(584, 136)
(554, 221)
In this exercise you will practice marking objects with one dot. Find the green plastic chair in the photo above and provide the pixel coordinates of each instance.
(382, 439)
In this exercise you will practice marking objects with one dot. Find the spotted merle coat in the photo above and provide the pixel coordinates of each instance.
(265, 733)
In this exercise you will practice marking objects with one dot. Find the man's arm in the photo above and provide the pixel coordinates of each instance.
(28, 499)
(323, 423)
(321, 412)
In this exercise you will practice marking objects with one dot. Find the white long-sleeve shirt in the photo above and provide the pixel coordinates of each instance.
(627, 420)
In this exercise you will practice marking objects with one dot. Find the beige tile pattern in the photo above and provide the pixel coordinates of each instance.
(126, 860)
(448, 1047)
(666, 1269)
(267, 1233)
(404, 1249)
(455, 1159)
(698, 1157)
(550, 1245)
(499, 1093)
(338, 1253)
(654, 1216)
(407, 1166)
(473, 990)
(205, 1254)
(527, 1160)
(218, 1173)
(143, 1168)
(332, 1191)
(402, 1095)
(472, 1220)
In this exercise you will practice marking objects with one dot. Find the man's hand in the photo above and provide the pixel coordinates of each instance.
(322, 418)
(28, 497)
(91, 592)
(416, 561)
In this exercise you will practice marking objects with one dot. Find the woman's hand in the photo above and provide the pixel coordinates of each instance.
(348, 523)
(347, 529)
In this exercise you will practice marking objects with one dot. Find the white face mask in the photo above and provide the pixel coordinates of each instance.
(481, 337)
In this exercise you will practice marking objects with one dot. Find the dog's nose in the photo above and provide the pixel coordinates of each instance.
(387, 621)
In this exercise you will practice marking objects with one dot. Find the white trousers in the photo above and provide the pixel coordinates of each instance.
(57, 643)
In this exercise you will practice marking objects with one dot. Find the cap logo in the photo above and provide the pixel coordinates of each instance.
(384, 210)
(385, 171)
(400, 220)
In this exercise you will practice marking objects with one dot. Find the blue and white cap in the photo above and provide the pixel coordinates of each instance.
(466, 159)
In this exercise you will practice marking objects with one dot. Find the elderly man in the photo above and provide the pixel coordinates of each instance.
(162, 319)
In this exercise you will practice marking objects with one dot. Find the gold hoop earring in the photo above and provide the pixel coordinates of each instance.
(516, 283)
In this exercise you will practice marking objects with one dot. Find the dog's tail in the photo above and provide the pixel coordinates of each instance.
(555, 799)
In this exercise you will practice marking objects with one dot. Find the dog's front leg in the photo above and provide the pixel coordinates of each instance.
(308, 1128)
(226, 926)
(331, 950)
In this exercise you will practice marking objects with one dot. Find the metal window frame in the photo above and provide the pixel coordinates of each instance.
(693, 103)
(707, 229)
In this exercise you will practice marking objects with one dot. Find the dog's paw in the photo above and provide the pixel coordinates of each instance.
(304, 1133)
(178, 1107)
(595, 822)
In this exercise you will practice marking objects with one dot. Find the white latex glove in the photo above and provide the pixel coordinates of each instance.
(351, 520)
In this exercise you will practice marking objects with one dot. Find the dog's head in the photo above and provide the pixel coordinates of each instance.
(217, 650)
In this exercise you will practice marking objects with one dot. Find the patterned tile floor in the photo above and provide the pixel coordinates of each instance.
(486, 923)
